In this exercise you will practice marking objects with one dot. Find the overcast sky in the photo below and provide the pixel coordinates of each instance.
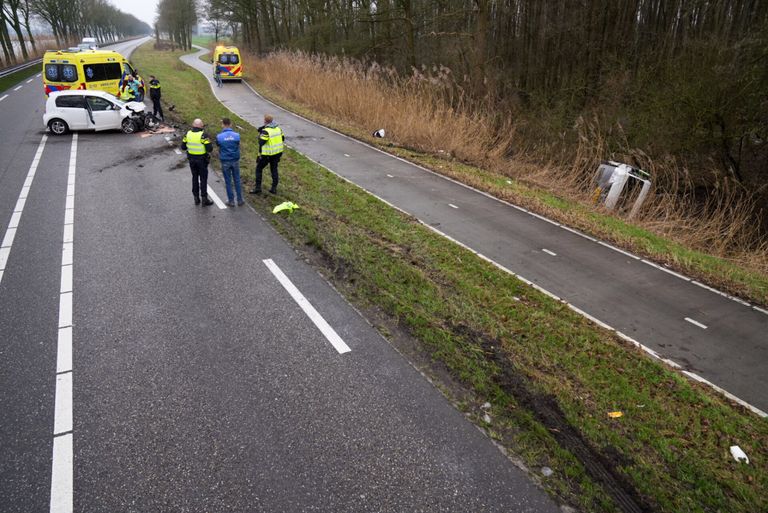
(142, 9)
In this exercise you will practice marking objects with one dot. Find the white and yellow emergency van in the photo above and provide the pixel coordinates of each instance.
(103, 70)
(227, 60)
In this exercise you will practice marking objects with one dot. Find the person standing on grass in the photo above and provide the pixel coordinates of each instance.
(198, 147)
(154, 95)
(271, 145)
(228, 142)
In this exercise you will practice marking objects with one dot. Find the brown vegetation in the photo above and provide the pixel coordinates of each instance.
(424, 112)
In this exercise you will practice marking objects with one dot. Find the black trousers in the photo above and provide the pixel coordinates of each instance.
(157, 108)
(272, 160)
(199, 168)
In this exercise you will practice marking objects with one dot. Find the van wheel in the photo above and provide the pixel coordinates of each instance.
(58, 126)
(128, 126)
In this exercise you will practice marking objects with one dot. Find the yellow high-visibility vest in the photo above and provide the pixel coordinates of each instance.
(195, 143)
(274, 138)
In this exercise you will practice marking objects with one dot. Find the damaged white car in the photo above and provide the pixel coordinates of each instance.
(94, 110)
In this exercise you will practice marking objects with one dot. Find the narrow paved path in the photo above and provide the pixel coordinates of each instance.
(708, 335)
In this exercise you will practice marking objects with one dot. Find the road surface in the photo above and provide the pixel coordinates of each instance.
(161, 356)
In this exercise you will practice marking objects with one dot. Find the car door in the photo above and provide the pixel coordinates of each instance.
(71, 108)
(104, 115)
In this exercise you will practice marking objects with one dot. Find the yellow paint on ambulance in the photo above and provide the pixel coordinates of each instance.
(227, 59)
(103, 70)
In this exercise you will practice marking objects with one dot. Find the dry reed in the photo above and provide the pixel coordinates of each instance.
(428, 111)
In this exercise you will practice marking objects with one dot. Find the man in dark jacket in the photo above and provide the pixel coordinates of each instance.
(228, 142)
(198, 147)
(154, 95)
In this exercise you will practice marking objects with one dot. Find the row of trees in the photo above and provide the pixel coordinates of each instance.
(69, 20)
(681, 77)
(176, 19)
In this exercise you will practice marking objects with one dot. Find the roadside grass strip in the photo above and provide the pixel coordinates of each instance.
(7, 82)
(550, 377)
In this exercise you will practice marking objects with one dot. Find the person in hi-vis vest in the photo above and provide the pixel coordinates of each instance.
(271, 145)
(198, 146)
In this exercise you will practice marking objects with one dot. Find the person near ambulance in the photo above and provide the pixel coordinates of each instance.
(271, 145)
(198, 146)
(228, 142)
(154, 95)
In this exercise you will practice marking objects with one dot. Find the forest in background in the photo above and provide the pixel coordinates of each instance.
(69, 21)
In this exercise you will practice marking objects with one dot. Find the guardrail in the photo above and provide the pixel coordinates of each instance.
(18, 67)
(13, 69)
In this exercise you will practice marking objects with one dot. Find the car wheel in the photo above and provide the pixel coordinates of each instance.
(58, 126)
(128, 126)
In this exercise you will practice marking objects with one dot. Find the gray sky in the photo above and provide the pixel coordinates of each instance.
(142, 9)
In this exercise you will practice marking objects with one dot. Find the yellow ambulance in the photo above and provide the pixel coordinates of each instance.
(103, 70)
(227, 60)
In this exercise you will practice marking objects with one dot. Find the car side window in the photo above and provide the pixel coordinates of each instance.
(72, 102)
(96, 103)
(127, 69)
(99, 72)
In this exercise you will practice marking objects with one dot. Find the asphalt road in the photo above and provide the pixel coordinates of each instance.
(196, 381)
(706, 335)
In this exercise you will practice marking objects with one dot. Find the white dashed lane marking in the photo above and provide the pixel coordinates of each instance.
(17, 88)
(452, 205)
(390, 176)
(346, 155)
(305, 305)
(548, 252)
(696, 323)
(3, 97)
(30, 80)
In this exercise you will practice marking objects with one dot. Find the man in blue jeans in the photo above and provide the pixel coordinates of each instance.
(228, 142)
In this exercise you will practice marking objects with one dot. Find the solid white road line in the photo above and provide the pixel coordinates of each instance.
(696, 323)
(305, 305)
(62, 470)
(10, 232)
(17, 88)
(727, 394)
(452, 205)
(3, 97)
(216, 198)
(548, 252)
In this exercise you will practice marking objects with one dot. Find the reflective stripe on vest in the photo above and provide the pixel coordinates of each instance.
(274, 144)
(154, 86)
(194, 141)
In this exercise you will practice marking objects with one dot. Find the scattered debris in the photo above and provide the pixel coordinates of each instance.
(486, 418)
(738, 454)
(380, 133)
(286, 205)
(546, 471)
(486, 406)
(615, 414)
(509, 182)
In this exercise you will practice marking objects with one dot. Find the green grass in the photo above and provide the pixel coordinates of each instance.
(208, 39)
(729, 276)
(14, 78)
(505, 343)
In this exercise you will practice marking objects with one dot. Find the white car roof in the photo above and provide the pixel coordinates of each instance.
(83, 92)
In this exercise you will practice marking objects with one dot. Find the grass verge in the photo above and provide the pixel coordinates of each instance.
(14, 78)
(549, 376)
